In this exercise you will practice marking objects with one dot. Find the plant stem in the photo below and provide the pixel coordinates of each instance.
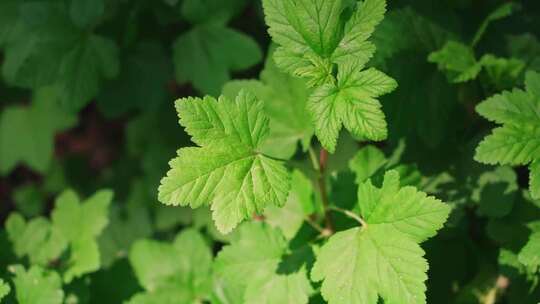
(313, 157)
(350, 214)
(323, 161)
(315, 225)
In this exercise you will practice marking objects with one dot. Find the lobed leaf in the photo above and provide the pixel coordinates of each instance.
(227, 172)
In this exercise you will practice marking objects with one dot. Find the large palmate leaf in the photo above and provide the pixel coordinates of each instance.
(285, 98)
(327, 43)
(517, 141)
(45, 47)
(248, 268)
(172, 273)
(37, 285)
(27, 133)
(207, 54)
(351, 102)
(227, 170)
(81, 223)
(382, 258)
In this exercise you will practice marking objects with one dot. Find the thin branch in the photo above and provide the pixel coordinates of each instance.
(314, 160)
(315, 225)
(323, 161)
(350, 214)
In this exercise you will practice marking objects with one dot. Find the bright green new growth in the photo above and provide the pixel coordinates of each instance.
(81, 223)
(382, 258)
(530, 254)
(458, 61)
(37, 285)
(248, 268)
(227, 171)
(318, 42)
(74, 226)
(517, 141)
(172, 273)
(4, 289)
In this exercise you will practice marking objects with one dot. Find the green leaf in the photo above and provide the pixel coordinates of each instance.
(525, 47)
(293, 288)
(8, 20)
(4, 289)
(183, 267)
(530, 254)
(29, 200)
(500, 12)
(49, 50)
(36, 239)
(142, 81)
(86, 13)
(354, 46)
(285, 99)
(534, 179)
(458, 60)
(532, 83)
(207, 54)
(307, 29)
(351, 102)
(165, 295)
(128, 223)
(425, 36)
(84, 68)
(382, 258)
(248, 268)
(503, 72)
(517, 141)
(211, 11)
(27, 133)
(326, 42)
(495, 192)
(299, 205)
(81, 224)
(37, 285)
(227, 171)
(366, 163)
(32, 56)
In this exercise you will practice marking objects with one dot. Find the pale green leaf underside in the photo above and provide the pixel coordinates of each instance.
(383, 258)
(227, 171)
